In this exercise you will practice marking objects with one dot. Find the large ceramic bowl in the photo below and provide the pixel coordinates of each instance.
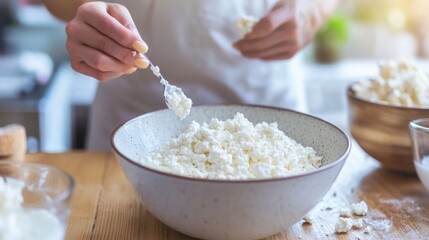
(381, 130)
(222, 209)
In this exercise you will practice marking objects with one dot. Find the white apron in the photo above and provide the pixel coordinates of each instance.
(191, 41)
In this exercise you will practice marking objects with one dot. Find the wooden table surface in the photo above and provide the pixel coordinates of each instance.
(104, 206)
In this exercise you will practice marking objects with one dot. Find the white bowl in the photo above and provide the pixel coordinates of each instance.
(224, 209)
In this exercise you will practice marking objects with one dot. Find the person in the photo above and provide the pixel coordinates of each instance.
(197, 47)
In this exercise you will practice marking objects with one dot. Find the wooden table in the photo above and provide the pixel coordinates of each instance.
(104, 206)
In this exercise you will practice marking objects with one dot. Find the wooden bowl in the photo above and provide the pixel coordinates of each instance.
(382, 131)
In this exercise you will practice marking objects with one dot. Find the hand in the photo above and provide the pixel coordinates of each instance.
(101, 39)
(281, 33)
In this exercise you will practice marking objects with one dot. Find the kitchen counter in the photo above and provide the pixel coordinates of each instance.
(104, 205)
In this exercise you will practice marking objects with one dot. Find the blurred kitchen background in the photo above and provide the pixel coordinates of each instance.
(39, 90)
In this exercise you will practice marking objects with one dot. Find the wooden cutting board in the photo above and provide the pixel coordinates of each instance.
(104, 206)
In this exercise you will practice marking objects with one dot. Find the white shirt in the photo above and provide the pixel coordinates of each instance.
(191, 41)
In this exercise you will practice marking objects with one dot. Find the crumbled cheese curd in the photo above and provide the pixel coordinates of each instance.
(175, 98)
(360, 208)
(343, 225)
(233, 149)
(21, 223)
(358, 223)
(346, 224)
(345, 212)
(398, 84)
(179, 103)
(245, 25)
(308, 219)
(367, 230)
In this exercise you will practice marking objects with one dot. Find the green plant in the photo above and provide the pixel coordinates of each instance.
(331, 38)
(334, 32)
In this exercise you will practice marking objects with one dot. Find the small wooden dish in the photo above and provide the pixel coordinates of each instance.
(381, 130)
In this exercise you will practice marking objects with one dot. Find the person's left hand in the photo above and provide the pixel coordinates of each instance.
(280, 34)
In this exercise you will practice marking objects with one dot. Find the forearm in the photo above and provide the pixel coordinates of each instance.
(326, 8)
(63, 9)
(314, 15)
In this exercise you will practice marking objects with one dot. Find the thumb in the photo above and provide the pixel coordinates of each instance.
(123, 16)
(279, 14)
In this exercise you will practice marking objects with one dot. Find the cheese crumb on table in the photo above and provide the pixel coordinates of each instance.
(343, 225)
(358, 223)
(308, 219)
(367, 230)
(346, 224)
(345, 212)
(233, 149)
(399, 84)
(360, 208)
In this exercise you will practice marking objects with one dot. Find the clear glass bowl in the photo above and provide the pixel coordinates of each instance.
(34, 201)
(419, 132)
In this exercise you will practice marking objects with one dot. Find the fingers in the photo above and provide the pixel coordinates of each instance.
(280, 14)
(282, 42)
(274, 37)
(97, 59)
(94, 39)
(102, 39)
(280, 56)
(123, 16)
(283, 50)
(282, 34)
(113, 20)
(82, 67)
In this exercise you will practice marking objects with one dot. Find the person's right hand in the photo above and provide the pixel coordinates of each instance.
(101, 39)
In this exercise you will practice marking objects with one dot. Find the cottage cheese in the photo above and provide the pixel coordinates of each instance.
(345, 221)
(176, 100)
(343, 225)
(20, 223)
(233, 149)
(308, 219)
(346, 224)
(360, 208)
(345, 212)
(399, 84)
(245, 25)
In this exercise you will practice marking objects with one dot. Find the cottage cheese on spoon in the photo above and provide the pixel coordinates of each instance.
(175, 98)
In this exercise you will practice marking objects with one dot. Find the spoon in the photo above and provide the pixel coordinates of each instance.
(174, 97)
(168, 88)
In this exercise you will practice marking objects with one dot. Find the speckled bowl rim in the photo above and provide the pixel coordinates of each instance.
(351, 94)
(340, 160)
